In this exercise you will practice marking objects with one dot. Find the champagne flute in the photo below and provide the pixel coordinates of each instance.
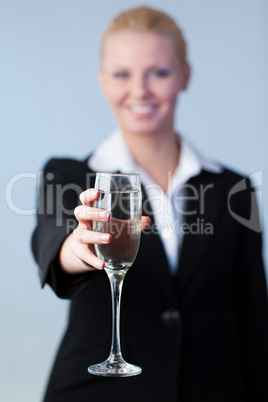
(120, 194)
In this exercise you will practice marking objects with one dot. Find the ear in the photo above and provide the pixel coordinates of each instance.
(187, 74)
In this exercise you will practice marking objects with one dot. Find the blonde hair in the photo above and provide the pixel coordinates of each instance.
(148, 19)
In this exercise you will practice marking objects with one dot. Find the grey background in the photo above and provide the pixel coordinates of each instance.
(51, 104)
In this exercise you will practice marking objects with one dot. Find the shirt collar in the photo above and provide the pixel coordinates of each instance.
(113, 155)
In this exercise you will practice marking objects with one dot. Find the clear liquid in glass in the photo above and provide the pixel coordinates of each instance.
(124, 226)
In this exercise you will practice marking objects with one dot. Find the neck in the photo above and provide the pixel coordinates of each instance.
(156, 154)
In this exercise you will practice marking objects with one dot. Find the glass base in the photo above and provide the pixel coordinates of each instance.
(116, 369)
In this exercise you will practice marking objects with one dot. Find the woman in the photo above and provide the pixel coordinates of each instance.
(194, 304)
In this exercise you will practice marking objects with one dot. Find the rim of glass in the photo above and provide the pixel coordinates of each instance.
(118, 174)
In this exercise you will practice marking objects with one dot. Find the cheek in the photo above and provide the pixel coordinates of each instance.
(115, 94)
(170, 97)
(116, 99)
(168, 93)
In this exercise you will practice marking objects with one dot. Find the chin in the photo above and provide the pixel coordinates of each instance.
(149, 129)
(140, 131)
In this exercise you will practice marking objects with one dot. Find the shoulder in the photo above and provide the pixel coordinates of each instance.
(238, 194)
(225, 178)
(68, 170)
(238, 189)
(232, 177)
(66, 164)
(233, 188)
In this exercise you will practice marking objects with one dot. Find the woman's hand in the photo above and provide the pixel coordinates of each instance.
(77, 254)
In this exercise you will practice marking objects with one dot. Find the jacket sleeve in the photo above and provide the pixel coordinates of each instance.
(251, 299)
(62, 182)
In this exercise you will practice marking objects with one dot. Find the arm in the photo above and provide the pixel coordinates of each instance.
(66, 256)
(252, 307)
(62, 183)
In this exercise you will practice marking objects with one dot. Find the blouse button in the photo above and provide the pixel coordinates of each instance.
(171, 318)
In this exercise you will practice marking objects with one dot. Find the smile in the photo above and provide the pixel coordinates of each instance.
(142, 109)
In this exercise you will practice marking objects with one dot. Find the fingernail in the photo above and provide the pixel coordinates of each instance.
(100, 264)
(104, 214)
(105, 237)
(81, 197)
(78, 209)
(81, 228)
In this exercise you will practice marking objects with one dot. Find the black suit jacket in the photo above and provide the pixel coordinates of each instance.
(200, 336)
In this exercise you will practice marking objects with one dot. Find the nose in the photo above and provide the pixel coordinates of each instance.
(139, 87)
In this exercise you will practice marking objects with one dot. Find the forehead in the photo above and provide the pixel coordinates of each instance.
(130, 48)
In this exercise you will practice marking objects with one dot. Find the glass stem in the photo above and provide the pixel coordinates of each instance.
(116, 282)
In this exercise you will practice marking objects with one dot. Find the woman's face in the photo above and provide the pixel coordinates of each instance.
(141, 77)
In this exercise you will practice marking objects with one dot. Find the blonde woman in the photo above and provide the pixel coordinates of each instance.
(194, 308)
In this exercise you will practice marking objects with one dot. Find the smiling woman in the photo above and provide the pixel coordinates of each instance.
(142, 76)
(194, 312)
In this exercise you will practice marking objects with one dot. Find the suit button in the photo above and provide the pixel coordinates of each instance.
(171, 318)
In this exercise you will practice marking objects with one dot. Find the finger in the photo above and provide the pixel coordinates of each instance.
(89, 237)
(84, 253)
(145, 222)
(83, 213)
(88, 196)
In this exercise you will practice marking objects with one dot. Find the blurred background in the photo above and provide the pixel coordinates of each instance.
(51, 105)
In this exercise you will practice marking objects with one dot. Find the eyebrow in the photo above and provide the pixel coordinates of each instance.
(160, 64)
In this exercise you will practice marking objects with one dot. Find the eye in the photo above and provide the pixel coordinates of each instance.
(160, 73)
(121, 74)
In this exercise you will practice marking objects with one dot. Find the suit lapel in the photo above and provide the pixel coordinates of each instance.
(202, 226)
(201, 222)
(153, 252)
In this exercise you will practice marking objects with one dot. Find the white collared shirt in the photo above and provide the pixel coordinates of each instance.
(113, 155)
